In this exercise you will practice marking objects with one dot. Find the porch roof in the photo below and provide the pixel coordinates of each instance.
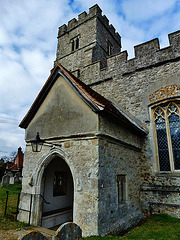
(96, 102)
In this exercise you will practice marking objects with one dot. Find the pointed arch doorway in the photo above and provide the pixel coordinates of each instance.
(58, 193)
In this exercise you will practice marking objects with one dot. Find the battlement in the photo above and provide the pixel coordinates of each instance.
(148, 54)
(94, 11)
(147, 48)
(100, 44)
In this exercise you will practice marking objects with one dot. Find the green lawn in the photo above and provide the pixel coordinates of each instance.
(8, 222)
(12, 199)
(160, 227)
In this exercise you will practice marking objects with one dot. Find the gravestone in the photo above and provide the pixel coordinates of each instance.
(11, 180)
(32, 235)
(10, 174)
(16, 178)
(68, 231)
(5, 180)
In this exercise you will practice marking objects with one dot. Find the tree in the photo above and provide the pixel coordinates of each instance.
(2, 167)
(9, 158)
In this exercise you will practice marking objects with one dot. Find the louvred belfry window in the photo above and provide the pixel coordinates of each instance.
(167, 126)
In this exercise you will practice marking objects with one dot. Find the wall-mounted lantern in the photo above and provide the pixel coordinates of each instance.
(37, 143)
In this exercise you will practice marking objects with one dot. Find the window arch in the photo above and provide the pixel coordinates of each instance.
(74, 43)
(167, 131)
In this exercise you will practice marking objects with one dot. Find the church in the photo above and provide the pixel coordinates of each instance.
(103, 135)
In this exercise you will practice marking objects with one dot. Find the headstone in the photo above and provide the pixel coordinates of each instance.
(10, 174)
(11, 180)
(68, 231)
(32, 235)
(5, 180)
(20, 179)
(16, 178)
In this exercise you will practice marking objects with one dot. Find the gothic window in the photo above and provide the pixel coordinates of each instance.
(167, 131)
(121, 183)
(60, 184)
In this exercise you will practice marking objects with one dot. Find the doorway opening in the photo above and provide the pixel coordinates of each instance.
(57, 207)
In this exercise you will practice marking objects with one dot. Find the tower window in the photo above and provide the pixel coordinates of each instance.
(109, 48)
(167, 136)
(72, 45)
(121, 184)
(77, 43)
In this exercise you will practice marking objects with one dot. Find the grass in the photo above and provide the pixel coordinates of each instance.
(159, 227)
(8, 222)
(12, 199)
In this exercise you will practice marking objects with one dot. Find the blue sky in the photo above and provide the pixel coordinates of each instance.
(28, 40)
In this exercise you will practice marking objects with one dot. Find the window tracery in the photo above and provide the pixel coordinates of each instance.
(167, 131)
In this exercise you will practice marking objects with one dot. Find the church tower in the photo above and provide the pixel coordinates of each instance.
(87, 40)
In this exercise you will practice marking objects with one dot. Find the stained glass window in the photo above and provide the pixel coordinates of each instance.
(174, 126)
(167, 124)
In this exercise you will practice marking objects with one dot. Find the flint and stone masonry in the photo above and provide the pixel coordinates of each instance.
(102, 172)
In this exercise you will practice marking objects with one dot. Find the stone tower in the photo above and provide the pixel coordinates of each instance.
(87, 40)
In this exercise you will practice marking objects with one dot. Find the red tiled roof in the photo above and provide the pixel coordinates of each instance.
(100, 102)
(10, 166)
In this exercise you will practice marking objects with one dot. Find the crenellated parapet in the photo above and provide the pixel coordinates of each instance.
(100, 44)
(94, 11)
(148, 54)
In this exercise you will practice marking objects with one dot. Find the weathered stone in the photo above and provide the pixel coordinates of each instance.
(69, 231)
(32, 235)
(67, 144)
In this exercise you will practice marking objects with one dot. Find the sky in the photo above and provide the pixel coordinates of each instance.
(28, 42)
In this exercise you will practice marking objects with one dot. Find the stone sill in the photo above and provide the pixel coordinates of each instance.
(160, 188)
(168, 174)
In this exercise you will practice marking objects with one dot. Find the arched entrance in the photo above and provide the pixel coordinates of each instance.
(58, 193)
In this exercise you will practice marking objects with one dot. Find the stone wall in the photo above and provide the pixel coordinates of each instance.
(95, 163)
(117, 159)
(94, 33)
(119, 154)
(160, 193)
(81, 155)
(135, 85)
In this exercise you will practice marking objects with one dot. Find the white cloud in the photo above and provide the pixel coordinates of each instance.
(141, 10)
(28, 31)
